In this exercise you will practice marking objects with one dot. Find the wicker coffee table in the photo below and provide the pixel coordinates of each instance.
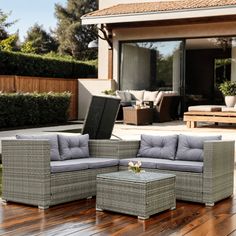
(142, 194)
(140, 116)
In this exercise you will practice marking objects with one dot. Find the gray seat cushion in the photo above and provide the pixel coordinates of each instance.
(190, 148)
(164, 164)
(53, 140)
(158, 146)
(67, 165)
(95, 162)
(73, 146)
(175, 165)
(146, 162)
(82, 164)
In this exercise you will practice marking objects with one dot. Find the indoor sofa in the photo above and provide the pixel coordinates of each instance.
(203, 166)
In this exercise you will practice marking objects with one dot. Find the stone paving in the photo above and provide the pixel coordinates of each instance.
(123, 131)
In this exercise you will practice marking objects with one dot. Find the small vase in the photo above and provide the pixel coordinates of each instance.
(230, 101)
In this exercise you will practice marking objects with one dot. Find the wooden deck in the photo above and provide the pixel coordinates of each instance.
(80, 218)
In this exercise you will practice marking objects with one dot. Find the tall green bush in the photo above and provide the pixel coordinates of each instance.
(15, 63)
(19, 109)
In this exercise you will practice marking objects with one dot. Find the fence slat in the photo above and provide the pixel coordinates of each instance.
(40, 84)
(7, 83)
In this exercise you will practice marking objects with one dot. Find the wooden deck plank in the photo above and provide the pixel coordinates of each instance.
(81, 218)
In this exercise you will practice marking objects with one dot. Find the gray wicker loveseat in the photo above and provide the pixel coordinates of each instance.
(31, 177)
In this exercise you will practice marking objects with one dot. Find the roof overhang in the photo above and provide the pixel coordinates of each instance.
(159, 16)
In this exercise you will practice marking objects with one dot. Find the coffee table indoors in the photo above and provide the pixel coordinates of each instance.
(142, 194)
(140, 116)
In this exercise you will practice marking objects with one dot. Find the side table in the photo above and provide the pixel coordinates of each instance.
(140, 116)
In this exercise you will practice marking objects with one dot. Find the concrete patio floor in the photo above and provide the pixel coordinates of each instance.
(124, 131)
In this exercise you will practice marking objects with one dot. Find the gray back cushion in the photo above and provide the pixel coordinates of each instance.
(158, 146)
(52, 138)
(73, 147)
(190, 148)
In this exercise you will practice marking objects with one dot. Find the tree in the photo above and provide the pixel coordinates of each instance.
(10, 43)
(27, 47)
(39, 41)
(73, 38)
(4, 24)
(7, 42)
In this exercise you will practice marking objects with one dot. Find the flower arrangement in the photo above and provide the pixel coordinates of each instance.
(135, 167)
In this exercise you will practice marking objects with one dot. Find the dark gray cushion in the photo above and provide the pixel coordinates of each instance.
(146, 162)
(52, 138)
(174, 165)
(190, 148)
(73, 146)
(68, 165)
(158, 146)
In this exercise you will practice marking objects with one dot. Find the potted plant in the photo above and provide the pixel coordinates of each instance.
(228, 88)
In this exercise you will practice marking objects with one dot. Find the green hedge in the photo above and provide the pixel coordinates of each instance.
(15, 63)
(20, 109)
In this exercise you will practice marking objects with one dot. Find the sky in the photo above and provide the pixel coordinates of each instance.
(29, 12)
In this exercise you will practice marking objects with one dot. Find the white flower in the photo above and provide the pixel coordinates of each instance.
(131, 164)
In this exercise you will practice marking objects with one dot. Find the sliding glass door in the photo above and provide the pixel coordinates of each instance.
(151, 65)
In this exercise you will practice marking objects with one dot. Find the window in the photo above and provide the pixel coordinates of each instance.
(151, 65)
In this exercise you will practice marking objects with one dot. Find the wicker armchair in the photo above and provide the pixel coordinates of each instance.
(167, 110)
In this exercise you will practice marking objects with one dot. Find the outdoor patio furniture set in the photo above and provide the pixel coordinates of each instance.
(165, 105)
(51, 169)
(209, 113)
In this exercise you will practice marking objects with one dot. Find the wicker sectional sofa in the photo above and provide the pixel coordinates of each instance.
(29, 176)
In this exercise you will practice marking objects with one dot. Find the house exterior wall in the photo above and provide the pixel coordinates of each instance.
(155, 32)
(166, 32)
(103, 46)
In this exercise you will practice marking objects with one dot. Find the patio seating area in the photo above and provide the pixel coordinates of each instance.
(81, 218)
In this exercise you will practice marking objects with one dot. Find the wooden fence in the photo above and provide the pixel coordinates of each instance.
(39, 84)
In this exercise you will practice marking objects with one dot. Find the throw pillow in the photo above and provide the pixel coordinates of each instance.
(150, 96)
(158, 98)
(158, 146)
(53, 140)
(137, 94)
(190, 148)
(73, 147)
(124, 96)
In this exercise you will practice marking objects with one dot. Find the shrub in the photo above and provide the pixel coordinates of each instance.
(228, 88)
(16, 63)
(18, 109)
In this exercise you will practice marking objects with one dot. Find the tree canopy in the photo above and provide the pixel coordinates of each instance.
(73, 38)
(39, 41)
(4, 24)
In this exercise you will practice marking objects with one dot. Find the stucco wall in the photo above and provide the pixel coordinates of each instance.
(103, 47)
(88, 88)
